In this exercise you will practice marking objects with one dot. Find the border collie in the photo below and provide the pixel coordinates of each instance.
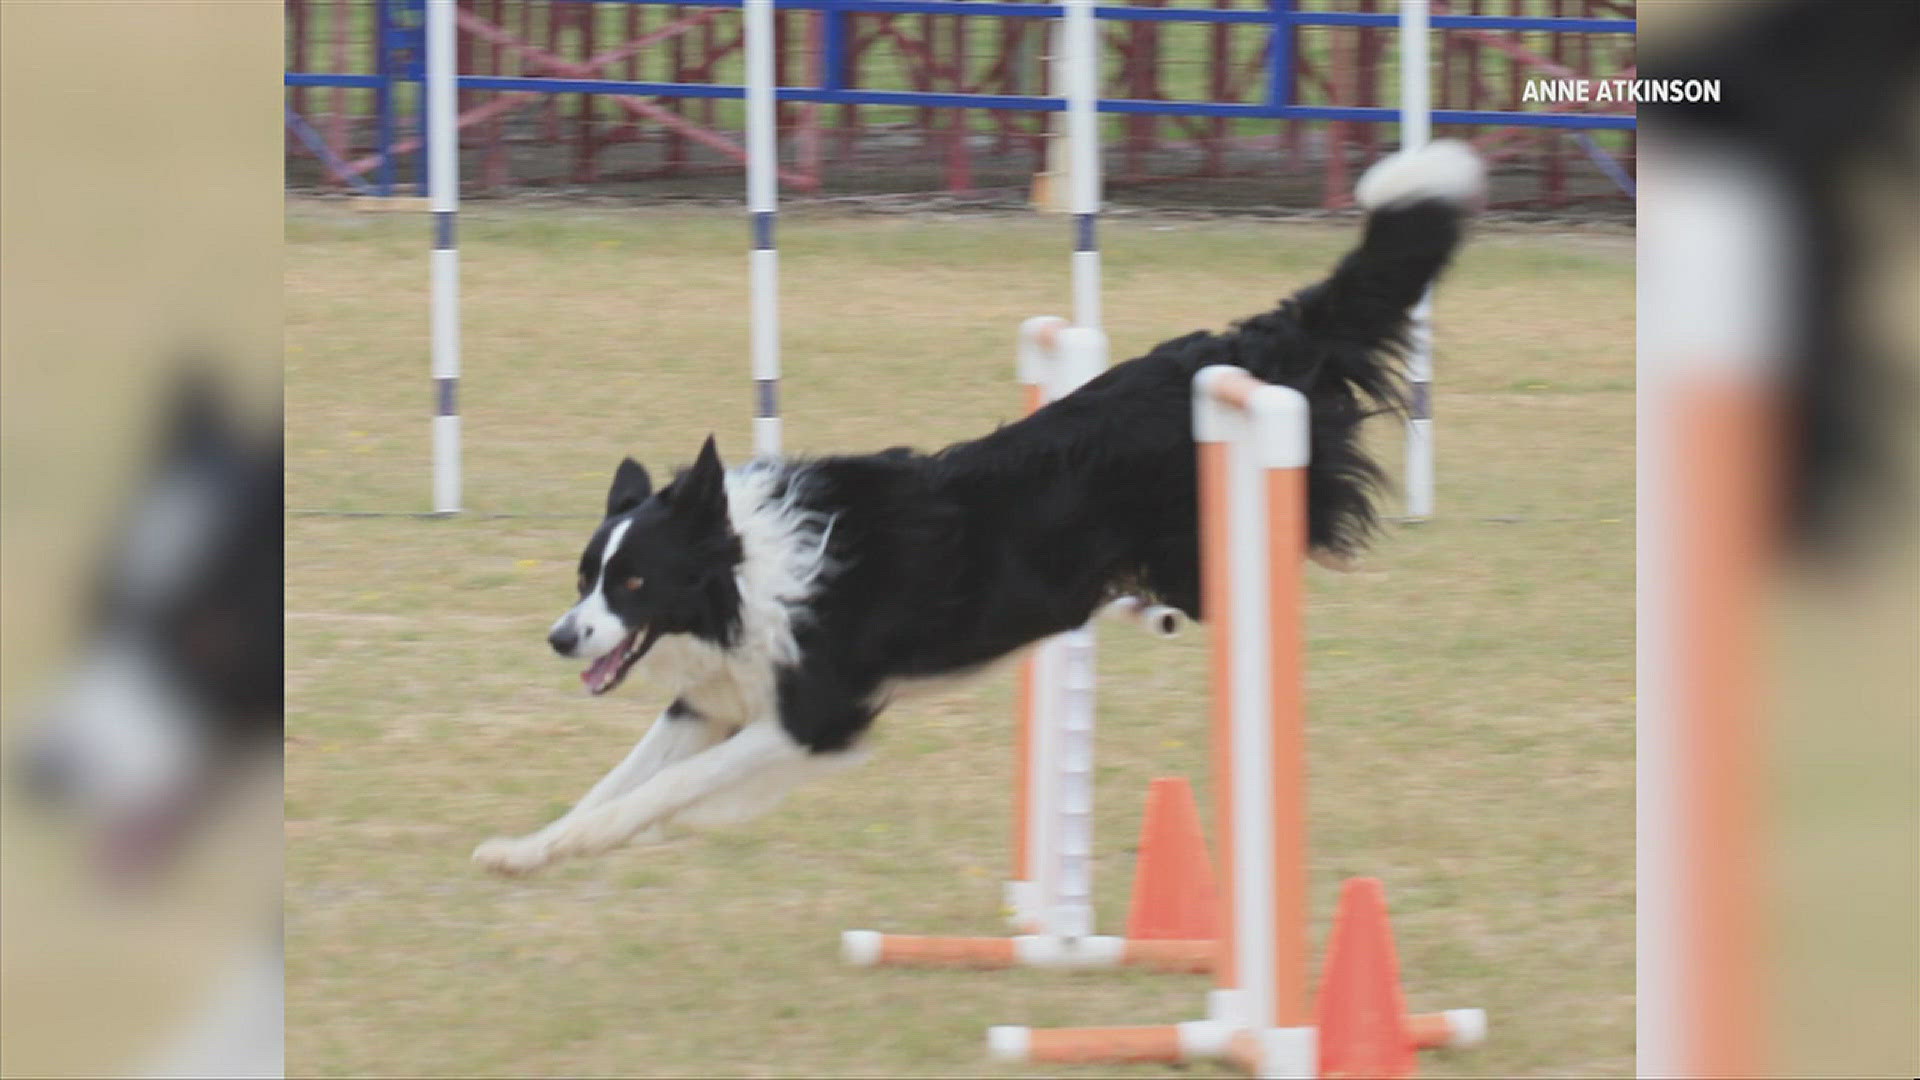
(787, 601)
(173, 702)
(176, 689)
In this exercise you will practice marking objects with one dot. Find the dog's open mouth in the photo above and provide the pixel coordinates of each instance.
(138, 844)
(610, 670)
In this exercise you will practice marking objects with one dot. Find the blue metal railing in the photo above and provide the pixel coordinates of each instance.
(400, 58)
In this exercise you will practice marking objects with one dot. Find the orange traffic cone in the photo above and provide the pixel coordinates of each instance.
(1173, 893)
(1363, 1019)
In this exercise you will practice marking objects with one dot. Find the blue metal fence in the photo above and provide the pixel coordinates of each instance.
(400, 57)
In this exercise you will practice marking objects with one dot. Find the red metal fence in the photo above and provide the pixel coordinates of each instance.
(615, 143)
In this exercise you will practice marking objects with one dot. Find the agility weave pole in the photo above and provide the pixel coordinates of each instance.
(763, 194)
(443, 186)
(1253, 449)
(1050, 899)
(1416, 127)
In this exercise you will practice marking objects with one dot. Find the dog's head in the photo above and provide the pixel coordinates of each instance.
(177, 680)
(661, 563)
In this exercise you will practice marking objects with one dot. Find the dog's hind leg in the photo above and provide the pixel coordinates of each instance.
(678, 734)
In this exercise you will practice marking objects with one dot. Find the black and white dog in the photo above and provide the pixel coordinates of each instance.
(788, 601)
(176, 690)
(170, 713)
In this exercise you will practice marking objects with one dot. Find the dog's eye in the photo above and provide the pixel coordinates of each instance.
(633, 584)
(581, 587)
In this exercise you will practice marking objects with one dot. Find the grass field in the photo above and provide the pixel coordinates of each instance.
(1472, 740)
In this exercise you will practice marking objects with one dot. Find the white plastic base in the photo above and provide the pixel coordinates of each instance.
(1289, 1053)
(1203, 1040)
(861, 948)
(1008, 1044)
(1469, 1028)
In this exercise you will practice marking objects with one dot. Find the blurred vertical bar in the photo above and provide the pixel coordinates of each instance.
(1778, 584)
(383, 97)
(141, 217)
(416, 50)
(1709, 295)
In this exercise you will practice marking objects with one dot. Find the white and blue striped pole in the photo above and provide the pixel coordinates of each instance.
(443, 180)
(763, 265)
(1416, 128)
(1083, 157)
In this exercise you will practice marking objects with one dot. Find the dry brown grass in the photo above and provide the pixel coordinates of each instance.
(1471, 688)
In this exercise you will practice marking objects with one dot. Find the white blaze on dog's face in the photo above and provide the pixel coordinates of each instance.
(661, 563)
(117, 742)
(120, 748)
(591, 624)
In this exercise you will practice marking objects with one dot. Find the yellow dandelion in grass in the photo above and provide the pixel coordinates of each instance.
(1172, 744)
(527, 564)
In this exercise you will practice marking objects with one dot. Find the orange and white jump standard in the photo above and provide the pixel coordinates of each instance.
(1253, 451)
(1049, 901)
(1050, 898)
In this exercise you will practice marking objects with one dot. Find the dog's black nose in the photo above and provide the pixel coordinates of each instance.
(563, 639)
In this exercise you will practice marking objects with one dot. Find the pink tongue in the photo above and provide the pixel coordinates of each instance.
(602, 669)
(140, 844)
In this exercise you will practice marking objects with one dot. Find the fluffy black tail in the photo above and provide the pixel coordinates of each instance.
(1341, 342)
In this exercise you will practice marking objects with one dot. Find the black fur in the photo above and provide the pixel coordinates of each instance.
(218, 633)
(938, 564)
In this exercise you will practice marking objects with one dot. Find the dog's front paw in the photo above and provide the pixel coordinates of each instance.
(511, 857)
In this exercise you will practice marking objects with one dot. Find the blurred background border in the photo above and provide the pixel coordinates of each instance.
(140, 216)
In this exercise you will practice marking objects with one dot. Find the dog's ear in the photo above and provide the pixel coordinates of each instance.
(702, 490)
(630, 487)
